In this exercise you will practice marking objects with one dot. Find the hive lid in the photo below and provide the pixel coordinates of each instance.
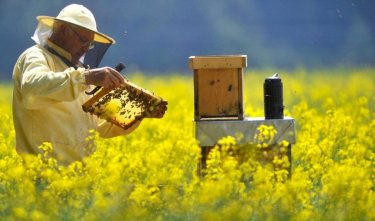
(217, 61)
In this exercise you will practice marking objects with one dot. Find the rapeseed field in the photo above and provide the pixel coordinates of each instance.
(151, 174)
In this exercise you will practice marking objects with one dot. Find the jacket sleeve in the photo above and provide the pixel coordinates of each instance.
(109, 130)
(41, 83)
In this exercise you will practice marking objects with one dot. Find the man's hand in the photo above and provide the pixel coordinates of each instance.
(106, 77)
(159, 111)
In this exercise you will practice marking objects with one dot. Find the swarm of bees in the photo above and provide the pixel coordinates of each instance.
(123, 106)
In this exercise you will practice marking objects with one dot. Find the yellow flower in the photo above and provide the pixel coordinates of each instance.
(37, 215)
(20, 213)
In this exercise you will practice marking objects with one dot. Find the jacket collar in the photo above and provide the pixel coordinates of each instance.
(59, 52)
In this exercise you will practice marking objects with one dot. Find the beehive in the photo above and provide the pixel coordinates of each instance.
(218, 91)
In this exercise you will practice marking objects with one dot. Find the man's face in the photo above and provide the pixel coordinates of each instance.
(79, 43)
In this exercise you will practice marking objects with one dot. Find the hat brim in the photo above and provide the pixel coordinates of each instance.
(98, 37)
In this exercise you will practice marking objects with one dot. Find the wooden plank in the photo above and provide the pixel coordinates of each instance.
(213, 62)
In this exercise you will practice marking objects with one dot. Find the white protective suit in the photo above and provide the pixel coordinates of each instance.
(47, 106)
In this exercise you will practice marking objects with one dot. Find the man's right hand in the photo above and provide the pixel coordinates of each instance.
(106, 77)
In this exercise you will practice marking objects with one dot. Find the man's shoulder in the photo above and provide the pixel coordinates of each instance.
(34, 51)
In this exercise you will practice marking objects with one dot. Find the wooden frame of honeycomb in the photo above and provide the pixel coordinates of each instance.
(122, 106)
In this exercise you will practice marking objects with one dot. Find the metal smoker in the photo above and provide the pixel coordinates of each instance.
(273, 98)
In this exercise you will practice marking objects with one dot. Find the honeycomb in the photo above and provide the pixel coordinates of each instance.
(124, 105)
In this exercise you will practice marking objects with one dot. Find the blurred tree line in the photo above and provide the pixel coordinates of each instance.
(158, 36)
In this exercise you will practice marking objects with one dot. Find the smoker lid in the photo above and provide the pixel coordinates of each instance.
(273, 78)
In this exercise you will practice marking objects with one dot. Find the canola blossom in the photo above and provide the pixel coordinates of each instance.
(151, 174)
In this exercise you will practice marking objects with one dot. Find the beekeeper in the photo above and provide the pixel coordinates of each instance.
(50, 80)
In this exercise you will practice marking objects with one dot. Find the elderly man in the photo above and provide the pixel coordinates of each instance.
(49, 84)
